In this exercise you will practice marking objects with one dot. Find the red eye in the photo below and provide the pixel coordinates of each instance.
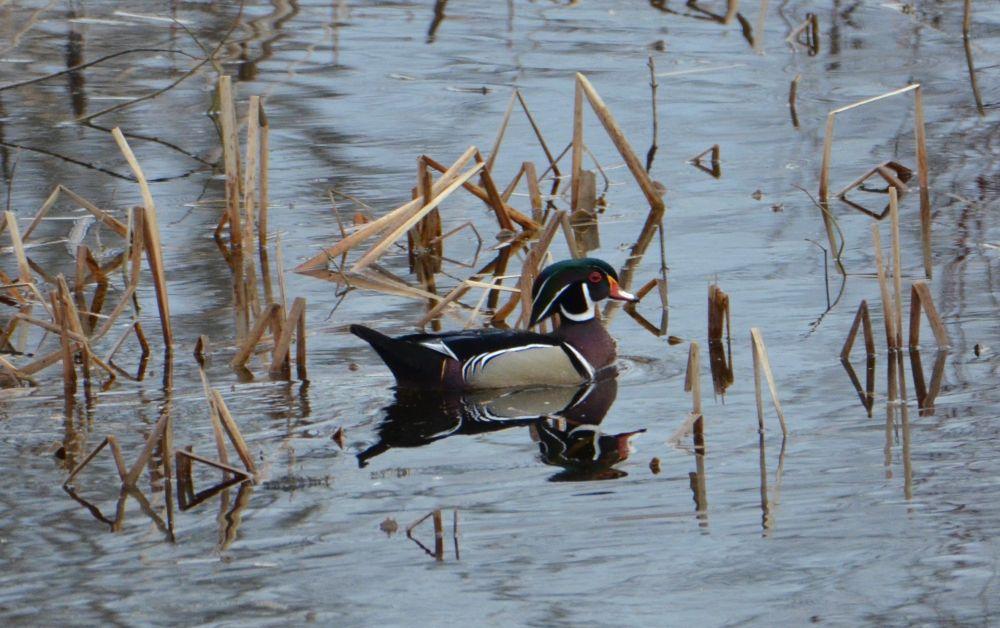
(595, 277)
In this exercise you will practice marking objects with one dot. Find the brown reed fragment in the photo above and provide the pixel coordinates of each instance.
(718, 313)
(233, 432)
(887, 309)
(116, 452)
(438, 536)
(921, 300)
(926, 394)
(761, 363)
(715, 152)
(863, 321)
(553, 166)
(380, 248)
(493, 194)
(480, 193)
(154, 258)
(250, 342)
(897, 273)
(300, 346)
(24, 270)
(923, 179)
(922, 168)
(653, 196)
(584, 217)
(201, 349)
(390, 220)
(692, 378)
(263, 176)
(793, 92)
(533, 191)
(295, 319)
(106, 219)
(68, 368)
(13, 372)
(250, 172)
(577, 152)
(230, 153)
(806, 34)
(154, 438)
(500, 132)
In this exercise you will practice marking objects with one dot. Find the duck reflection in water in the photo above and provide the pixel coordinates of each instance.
(563, 421)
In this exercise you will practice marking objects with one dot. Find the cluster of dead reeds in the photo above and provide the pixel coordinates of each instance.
(526, 234)
(56, 320)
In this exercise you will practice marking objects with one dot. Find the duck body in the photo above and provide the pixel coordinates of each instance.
(579, 350)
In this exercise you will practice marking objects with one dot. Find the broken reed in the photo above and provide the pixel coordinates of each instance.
(922, 170)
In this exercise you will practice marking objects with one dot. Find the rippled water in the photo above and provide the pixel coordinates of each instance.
(875, 520)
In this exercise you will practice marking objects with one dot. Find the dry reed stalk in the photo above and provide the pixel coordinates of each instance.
(533, 191)
(509, 190)
(571, 242)
(621, 143)
(379, 249)
(213, 417)
(147, 452)
(250, 343)
(887, 309)
(692, 378)
(230, 150)
(201, 349)
(193, 457)
(282, 344)
(926, 395)
(500, 132)
(921, 299)
(233, 431)
(762, 363)
(483, 195)
(300, 346)
(793, 92)
(154, 258)
(577, 154)
(438, 536)
(584, 217)
(718, 313)
(116, 452)
(921, 150)
(263, 176)
(897, 273)
(715, 153)
(23, 269)
(493, 194)
(390, 220)
(541, 140)
(106, 219)
(923, 178)
(68, 368)
(250, 170)
(863, 321)
(13, 371)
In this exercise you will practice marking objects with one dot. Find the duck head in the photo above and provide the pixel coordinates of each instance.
(571, 287)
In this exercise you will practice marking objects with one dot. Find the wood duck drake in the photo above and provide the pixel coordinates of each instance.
(577, 351)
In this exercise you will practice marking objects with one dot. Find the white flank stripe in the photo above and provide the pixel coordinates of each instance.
(583, 360)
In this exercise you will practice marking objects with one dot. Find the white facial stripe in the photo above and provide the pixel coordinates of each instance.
(578, 318)
(554, 300)
(440, 347)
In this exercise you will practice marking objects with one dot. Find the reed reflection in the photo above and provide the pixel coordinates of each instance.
(564, 422)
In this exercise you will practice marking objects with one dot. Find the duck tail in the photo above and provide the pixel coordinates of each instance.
(410, 363)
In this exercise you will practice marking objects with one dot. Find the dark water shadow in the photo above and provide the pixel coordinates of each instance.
(564, 422)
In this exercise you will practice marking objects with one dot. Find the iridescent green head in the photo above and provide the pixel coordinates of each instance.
(572, 287)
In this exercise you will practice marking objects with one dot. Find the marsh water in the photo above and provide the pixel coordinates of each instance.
(889, 518)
